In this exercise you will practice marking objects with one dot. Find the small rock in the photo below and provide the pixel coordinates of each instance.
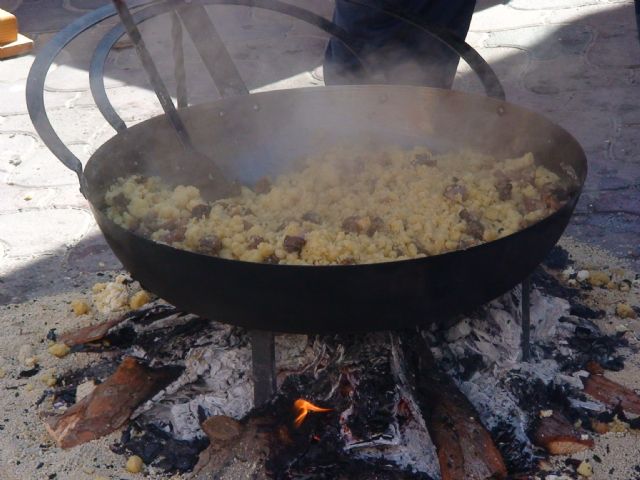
(582, 275)
(624, 310)
(585, 469)
(134, 464)
(59, 350)
(80, 307)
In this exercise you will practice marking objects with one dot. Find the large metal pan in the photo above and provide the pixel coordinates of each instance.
(266, 134)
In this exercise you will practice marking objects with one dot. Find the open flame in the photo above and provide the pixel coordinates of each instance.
(302, 408)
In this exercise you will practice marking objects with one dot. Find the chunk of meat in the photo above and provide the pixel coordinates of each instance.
(262, 186)
(532, 204)
(293, 243)
(504, 188)
(210, 244)
(120, 201)
(272, 259)
(201, 210)
(254, 241)
(474, 227)
(377, 224)
(356, 224)
(312, 217)
(425, 159)
(246, 225)
(456, 192)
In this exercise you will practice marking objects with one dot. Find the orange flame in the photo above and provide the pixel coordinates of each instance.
(302, 408)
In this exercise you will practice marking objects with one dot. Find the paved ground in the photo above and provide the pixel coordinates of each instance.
(575, 61)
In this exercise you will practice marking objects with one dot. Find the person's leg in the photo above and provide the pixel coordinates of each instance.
(402, 53)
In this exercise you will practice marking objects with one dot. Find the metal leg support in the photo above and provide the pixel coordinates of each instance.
(263, 351)
(525, 339)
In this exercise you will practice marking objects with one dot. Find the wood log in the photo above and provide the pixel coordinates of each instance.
(465, 448)
(110, 404)
(558, 437)
(237, 450)
(612, 393)
(92, 333)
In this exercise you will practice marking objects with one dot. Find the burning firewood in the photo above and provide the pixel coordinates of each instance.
(92, 333)
(612, 393)
(110, 404)
(558, 437)
(465, 448)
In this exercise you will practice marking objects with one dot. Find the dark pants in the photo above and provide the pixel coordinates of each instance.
(394, 51)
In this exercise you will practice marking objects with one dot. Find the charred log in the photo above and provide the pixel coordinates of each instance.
(558, 437)
(465, 448)
(612, 393)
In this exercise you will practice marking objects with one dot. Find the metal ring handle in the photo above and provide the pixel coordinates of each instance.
(36, 80)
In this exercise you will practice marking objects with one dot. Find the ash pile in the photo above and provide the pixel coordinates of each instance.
(451, 401)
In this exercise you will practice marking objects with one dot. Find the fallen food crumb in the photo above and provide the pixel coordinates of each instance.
(624, 310)
(80, 307)
(598, 278)
(59, 350)
(585, 469)
(139, 299)
(134, 464)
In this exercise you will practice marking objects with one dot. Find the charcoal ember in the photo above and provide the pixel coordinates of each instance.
(474, 227)
(293, 243)
(254, 241)
(210, 244)
(262, 186)
(552, 287)
(29, 372)
(52, 335)
(159, 449)
(425, 159)
(583, 311)
(557, 258)
(201, 211)
(456, 192)
(312, 217)
(377, 224)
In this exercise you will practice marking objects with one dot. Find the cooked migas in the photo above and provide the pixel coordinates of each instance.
(350, 206)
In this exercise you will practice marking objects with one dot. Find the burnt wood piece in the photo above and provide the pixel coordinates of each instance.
(558, 437)
(465, 448)
(237, 450)
(110, 404)
(92, 333)
(612, 393)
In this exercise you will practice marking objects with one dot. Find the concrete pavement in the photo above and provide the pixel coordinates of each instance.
(575, 61)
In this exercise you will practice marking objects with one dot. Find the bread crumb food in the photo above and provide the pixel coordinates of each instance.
(624, 310)
(585, 469)
(134, 464)
(80, 307)
(348, 206)
(139, 299)
(599, 278)
(111, 297)
(59, 350)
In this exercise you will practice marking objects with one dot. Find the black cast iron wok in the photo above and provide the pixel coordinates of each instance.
(267, 134)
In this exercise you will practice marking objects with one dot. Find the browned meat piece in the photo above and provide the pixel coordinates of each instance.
(348, 261)
(474, 228)
(247, 225)
(355, 224)
(425, 159)
(377, 224)
(293, 243)
(120, 201)
(555, 198)
(262, 186)
(176, 230)
(421, 248)
(254, 242)
(531, 204)
(200, 211)
(524, 175)
(210, 245)
(504, 188)
(455, 191)
(312, 217)
(272, 259)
